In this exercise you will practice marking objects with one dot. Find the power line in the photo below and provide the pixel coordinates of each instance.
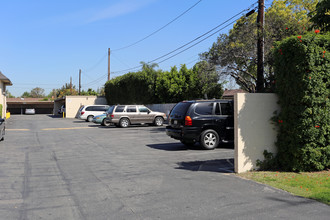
(181, 47)
(159, 28)
(173, 51)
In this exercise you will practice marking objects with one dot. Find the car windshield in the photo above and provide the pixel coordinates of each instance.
(110, 109)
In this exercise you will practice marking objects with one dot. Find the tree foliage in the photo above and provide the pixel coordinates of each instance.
(155, 86)
(66, 90)
(321, 16)
(236, 52)
(302, 67)
(37, 92)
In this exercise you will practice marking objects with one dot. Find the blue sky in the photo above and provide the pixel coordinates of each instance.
(44, 43)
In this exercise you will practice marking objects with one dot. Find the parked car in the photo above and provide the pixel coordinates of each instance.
(101, 119)
(124, 115)
(87, 112)
(30, 111)
(2, 129)
(208, 122)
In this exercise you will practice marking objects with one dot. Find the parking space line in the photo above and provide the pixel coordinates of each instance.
(7, 129)
(72, 128)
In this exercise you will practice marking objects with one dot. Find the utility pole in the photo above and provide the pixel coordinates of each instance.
(108, 64)
(79, 80)
(260, 47)
(71, 85)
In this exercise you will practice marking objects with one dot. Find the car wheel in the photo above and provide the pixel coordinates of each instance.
(209, 139)
(89, 118)
(124, 122)
(159, 121)
(105, 122)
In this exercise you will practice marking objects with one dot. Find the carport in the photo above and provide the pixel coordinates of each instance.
(18, 105)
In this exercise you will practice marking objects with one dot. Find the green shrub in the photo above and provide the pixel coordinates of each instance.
(302, 73)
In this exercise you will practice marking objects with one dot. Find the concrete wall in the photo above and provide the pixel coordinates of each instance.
(73, 103)
(3, 98)
(254, 131)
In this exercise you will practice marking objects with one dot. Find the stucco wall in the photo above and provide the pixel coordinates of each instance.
(73, 103)
(2, 99)
(254, 131)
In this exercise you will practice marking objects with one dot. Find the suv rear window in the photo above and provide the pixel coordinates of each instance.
(181, 108)
(204, 108)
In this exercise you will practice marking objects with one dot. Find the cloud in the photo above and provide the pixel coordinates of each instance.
(119, 9)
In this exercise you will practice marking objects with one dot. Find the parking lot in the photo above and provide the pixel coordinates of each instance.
(55, 168)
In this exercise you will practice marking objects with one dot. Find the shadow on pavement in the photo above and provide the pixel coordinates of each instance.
(220, 166)
(172, 147)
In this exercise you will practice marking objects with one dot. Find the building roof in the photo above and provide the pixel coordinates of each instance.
(232, 92)
(4, 79)
(27, 101)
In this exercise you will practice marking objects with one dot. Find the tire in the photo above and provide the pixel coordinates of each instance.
(90, 118)
(209, 139)
(124, 123)
(159, 121)
(105, 122)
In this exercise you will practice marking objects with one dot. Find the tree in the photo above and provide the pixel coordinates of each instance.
(90, 91)
(66, 90)
(321, 16)
(9, 95)
(235, 54)
(37, 92)
(26, 95)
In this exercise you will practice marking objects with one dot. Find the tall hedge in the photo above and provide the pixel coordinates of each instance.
(302, 72)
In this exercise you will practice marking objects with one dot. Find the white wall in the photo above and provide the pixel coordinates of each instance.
(73, 103)
(254, 131)
(3, 99)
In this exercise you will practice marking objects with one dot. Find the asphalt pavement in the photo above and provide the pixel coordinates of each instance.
(55, 168)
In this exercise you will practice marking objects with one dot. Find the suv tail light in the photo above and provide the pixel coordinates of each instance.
(82, 113)
(188, 121)
(112, 116)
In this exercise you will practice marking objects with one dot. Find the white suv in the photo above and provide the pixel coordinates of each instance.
(87, 112)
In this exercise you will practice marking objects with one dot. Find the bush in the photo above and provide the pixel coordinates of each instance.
(302, 73)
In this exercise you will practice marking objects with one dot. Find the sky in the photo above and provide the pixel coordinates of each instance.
(45, 43)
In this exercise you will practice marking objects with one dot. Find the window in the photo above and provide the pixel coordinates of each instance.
(143, 109)
(131, 109)
(204, 108)
(99, 108)
(226, 109)
(110, 110)
(217, 109)
(89, 108)
(120, 108)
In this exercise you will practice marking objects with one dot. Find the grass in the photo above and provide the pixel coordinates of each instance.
(315, 185)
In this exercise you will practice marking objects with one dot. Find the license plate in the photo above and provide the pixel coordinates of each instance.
(175, 122)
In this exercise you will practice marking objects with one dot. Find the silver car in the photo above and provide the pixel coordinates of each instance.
(124, 115)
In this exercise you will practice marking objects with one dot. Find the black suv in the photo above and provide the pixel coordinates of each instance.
(206, 121)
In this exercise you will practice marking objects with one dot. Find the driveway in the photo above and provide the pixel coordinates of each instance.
(54, 168)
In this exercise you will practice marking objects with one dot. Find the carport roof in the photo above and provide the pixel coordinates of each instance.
(5, 79)
(27, 101)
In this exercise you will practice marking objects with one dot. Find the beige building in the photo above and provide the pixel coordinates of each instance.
(73, 103)
(4, 81)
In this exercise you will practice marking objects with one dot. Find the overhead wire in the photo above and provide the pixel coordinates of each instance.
(183, 46)
(130, 45)
(173, 51)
